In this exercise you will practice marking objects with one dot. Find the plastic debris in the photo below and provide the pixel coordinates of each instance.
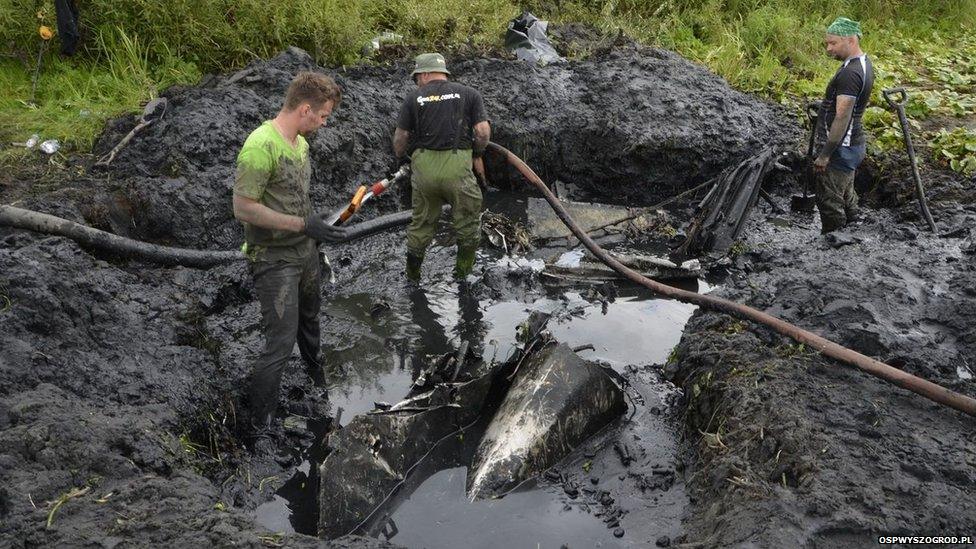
(30, 143)
(570, 259)
(377, 41)
(51, 146)
(526, 36)
(521, 263)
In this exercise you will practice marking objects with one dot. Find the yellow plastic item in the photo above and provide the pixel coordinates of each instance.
(45, 32)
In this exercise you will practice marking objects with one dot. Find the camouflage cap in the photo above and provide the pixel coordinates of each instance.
(430, 62)
(843, 26)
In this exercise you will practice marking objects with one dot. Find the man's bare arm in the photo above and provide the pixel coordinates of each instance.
(400, 140)
(482, 134)
(844, 112)
(257, 214)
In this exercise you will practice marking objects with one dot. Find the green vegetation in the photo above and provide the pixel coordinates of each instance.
(956, 148)
(738, 248)
(132, 50)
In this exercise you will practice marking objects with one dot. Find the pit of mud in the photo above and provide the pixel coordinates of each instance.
(580, 501)
(121, 382)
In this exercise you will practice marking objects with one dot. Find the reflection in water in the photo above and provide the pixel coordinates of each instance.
(433, 340)
(439, 515)
(377, 356)
(374, 357)
(366, 352)
(373, 351)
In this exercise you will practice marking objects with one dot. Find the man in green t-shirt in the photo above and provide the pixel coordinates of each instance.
(280, 237)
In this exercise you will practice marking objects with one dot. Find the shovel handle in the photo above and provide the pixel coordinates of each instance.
(813, 110)
(813, 114)
(890, 93)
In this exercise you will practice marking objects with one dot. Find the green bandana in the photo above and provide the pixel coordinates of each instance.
(843, 26)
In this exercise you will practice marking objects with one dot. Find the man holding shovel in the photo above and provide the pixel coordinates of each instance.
(845, 100)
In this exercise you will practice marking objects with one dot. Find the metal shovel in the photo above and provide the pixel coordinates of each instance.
(899, 105)
(806, 201)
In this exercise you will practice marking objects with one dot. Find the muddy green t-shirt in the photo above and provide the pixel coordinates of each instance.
(272, 172)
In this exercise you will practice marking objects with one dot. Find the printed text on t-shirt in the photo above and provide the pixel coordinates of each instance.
(435, 98)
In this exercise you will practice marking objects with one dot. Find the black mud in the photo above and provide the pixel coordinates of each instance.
(634, 125)
(792, 449)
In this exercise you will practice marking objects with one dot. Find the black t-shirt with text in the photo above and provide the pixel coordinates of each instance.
(854, 78)
(440, 115)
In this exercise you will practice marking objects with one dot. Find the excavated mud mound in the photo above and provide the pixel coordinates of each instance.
(120, 382)
(632, 126)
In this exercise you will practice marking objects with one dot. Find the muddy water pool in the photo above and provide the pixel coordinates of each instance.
(378, 354)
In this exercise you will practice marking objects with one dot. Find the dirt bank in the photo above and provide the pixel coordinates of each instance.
(790, 449)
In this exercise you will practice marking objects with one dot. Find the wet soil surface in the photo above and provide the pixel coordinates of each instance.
(121, 382)
(792, 449)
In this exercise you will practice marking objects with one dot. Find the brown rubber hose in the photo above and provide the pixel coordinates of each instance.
(903, 379)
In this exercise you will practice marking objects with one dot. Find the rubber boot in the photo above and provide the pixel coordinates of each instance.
(317, 373)
(413, 267)
(260, 435)
(465, 262)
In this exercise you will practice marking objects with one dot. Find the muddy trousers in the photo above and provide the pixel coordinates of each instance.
(438, 178)
(290, 303)
(836, 199)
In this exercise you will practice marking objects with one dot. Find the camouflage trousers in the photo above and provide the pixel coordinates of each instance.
(836, 199)
(438, 178)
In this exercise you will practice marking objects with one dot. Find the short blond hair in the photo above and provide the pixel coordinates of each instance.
(313, 88)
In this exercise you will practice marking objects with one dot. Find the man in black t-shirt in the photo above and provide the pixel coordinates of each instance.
(845, 100)
(445, 127)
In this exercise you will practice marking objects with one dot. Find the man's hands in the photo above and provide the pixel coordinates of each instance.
(396, 165)
(820, 164)
(478, 167)
(317, 228)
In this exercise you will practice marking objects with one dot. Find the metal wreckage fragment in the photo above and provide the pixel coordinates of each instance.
(556, 401)
(551, 400)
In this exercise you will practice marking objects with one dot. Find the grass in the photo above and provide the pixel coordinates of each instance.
(132, 50)
(76, 96)
(62, 499)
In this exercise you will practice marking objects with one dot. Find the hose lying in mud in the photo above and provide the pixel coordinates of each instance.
(876, 368)
(154, 253)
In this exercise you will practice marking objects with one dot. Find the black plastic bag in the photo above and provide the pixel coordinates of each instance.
(67, 13)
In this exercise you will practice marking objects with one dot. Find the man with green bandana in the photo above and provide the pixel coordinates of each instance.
(445, 124)
(281, 237)
(841, 132)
